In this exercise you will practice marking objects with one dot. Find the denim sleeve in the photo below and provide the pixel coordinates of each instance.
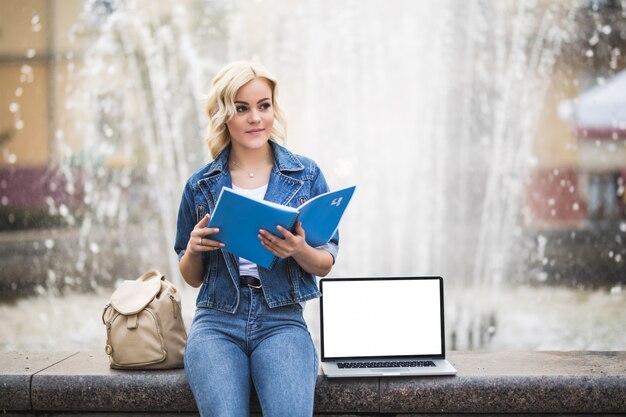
(319, 186)
(186, 221)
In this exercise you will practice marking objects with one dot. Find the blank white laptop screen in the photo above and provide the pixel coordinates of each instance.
(382, 318)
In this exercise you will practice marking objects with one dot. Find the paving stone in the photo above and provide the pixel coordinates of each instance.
(493, 383)
(16, 370)
(516, 382)
(85, 382)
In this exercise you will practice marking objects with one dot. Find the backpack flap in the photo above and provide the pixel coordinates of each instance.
(132, 296)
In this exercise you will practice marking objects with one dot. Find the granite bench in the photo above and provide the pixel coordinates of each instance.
(493, 383)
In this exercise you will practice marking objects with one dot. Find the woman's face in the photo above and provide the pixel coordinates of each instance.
(251, 126)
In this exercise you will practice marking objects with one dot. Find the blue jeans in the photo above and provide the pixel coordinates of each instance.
(268, 347)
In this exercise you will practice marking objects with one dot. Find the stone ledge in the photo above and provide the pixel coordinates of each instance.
(487, 383)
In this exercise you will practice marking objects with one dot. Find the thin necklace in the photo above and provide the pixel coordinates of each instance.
(250, 173)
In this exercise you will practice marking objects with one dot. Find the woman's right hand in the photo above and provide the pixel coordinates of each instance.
(198, 240)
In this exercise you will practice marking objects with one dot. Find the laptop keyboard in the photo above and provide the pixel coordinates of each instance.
(386, 364)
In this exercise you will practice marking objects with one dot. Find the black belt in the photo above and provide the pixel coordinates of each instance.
(249, 281)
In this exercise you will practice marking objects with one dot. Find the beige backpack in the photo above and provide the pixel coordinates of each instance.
(144, 324)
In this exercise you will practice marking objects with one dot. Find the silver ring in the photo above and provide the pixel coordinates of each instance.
(200, 242)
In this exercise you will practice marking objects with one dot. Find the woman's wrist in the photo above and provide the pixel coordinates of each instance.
(315, 261)
(191, 253)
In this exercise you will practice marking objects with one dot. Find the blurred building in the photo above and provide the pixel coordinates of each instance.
(574, 209)
(35, 52)
(577, 181)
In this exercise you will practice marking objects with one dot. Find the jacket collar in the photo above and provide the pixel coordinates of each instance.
(284, 160)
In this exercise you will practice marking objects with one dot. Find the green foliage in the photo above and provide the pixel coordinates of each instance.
(6, 135)
(20, 219)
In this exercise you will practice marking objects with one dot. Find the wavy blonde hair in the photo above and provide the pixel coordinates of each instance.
(220, 106)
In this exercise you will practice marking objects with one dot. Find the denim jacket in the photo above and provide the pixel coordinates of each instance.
(294, 179)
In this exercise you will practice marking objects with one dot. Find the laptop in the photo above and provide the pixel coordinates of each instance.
(383, 327)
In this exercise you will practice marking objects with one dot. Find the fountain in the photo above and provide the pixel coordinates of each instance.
(432, 112)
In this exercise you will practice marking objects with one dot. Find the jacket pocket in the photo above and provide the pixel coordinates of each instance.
(200, 211)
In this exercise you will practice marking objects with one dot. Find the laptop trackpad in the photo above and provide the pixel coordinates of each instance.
(389, 371)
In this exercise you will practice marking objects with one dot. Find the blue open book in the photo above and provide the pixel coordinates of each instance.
(239, 219)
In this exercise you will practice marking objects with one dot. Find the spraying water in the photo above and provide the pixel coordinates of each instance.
(432, 112)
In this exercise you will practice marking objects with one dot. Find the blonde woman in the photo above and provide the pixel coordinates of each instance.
(248, 328)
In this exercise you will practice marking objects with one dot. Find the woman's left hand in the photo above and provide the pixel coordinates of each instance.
(290, 245)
